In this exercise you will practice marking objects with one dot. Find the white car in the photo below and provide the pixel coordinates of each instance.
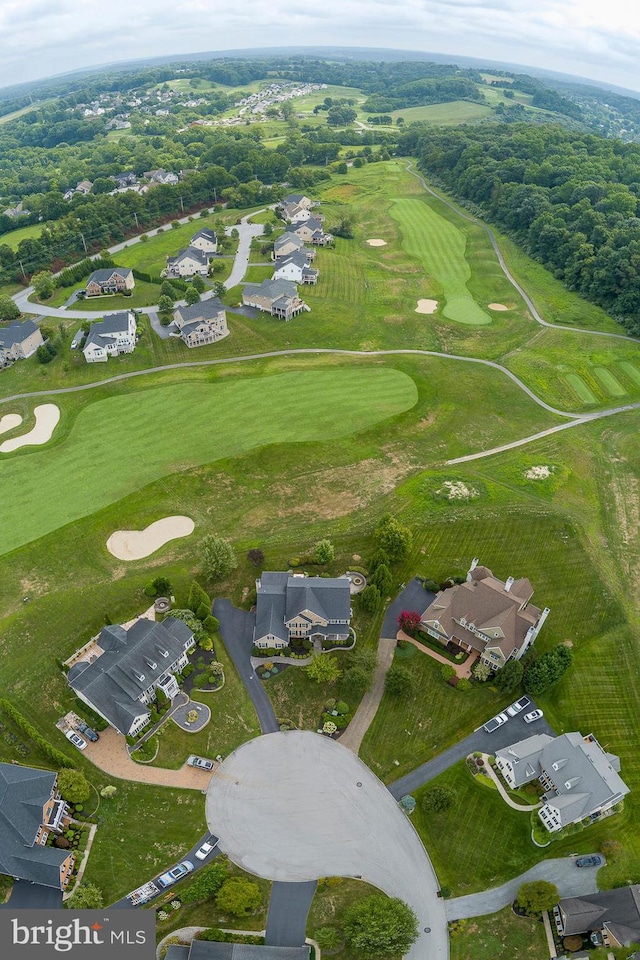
(534, 715)
(495, 722)
(75, 739)
(203, 852)
(519, 705)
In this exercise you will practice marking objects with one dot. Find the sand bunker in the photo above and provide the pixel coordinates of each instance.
(377, 243)
(497, 306)
(136, 544)
(47, 416)
(9, 422)
(542, 472)
(427, 306)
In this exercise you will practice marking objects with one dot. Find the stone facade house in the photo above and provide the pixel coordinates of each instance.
(205, 240)
(202, 323)
(296, 268)
(276, 297)
(491, 616)
(110, 337)
(19, 341)
(110, 280)
(188, 263)
(580, 780)
(30, 809)
(615, 914)
(294, 608)
(121, 680)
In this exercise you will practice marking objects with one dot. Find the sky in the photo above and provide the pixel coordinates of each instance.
(588, 38)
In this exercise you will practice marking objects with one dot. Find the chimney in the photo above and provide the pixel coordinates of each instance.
(510, 582)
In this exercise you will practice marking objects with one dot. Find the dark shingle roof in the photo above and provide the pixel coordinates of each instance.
(101, 276)
(194, 253)
(23, 794)
(281, 597)
(272, 289)
(287, 237)
(203, 310)
(206, 234)
(16, 333)
(618, 908)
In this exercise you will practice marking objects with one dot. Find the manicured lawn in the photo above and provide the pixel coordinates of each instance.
(143, 295)
(500, 936)
(444, 114)
(14, 237)
(120, 424)
(333, 897)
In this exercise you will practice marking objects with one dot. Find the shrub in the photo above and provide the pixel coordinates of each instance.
(446, 672)
(202, 612)
(324, 552)
(536, 897)
(432, 586)
(211, 624)
(481, 671)
(73, 786)
(399, 681)
(328, 938)
(62, 843)
(108, 792)
(188, 670)
(463, 684)
(370, 598)
(255, 556)
(239, 896)
(438, 799)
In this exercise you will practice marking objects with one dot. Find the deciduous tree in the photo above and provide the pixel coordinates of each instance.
(380, 926)
(323, 669)
(218, 557)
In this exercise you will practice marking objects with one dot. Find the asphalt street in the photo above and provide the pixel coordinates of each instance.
(236, 630)
(288, 911)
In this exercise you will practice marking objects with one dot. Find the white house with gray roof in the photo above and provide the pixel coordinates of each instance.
(580, 780)
(110, 337)
(205, 240)
(187, 263)
(295, 268)
(131, 664)
(277, 297)
(294, 608)
(288, 243)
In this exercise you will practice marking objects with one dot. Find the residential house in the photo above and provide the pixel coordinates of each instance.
(299, 199)
(292, 213)
(295, 608)
(161, 176)
(615, 914)
(30, 809)
(311, 231)
(19, 340)
(16, 212)
(289, 243)
(127, 179)
(491, 616)
(130, 665)
(187, 263)
(202, 323)
(84, 187)
(205, 240)
(216, 950)
(110, 337)
(118, 124)
(296, 268)
(580, 780)
(110, 280)
(277, 297)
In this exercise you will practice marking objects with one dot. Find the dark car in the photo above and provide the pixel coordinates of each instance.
(594, 861)
(88, 731)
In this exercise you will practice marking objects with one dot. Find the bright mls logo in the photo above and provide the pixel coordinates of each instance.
(83, 934)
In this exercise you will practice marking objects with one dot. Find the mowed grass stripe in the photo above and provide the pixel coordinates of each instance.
(120, 444)
(609, 382)
(580, 387)
(441, 247)
(631, 371)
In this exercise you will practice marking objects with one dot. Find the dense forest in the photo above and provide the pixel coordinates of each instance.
(572, 201)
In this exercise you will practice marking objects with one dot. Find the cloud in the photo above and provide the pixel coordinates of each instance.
(44, 37)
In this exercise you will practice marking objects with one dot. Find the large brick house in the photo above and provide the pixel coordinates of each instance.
(294, 608)
(493, 617)
(121, 680)
(110, 280)
(30, 809)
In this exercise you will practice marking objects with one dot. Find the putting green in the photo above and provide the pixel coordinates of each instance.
(631, 371)
(613, 386)
(584, 392)
(440, 247)
(122, 443)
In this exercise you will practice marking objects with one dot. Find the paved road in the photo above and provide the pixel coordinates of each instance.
(247, 232)
(33, 896)
(515, 729)
(347, 824)
(570, 880)
(288, 911)
(236, 630)
(124, 904)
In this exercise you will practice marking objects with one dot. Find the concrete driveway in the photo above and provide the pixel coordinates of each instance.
(111, 755)
(297, 806)
(236, 630)
(513, 730)
(570, 880)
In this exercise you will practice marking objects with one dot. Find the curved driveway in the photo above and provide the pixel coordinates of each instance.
(296, 806)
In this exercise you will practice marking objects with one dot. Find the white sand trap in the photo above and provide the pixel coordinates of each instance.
(427, 306)
(542, 472)
(497, 306)
(377, 243)
(9, 422)
(47, 416)
(136, 544)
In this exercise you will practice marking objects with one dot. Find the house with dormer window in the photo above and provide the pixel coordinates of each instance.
(131, 663)
(291, 608)
(31, 808)
(493, 617)
(579, 778)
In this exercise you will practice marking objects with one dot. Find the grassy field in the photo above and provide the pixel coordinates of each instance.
(333, 897)
(444, 114)
(500, 936)
(38, 105)
(13, 238)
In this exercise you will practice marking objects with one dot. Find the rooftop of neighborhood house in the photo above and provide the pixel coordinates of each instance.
(104, 331)
(102, 276)
(313, 223)
(282, 598)
(299, 259)
(206, 234)
(287, 238)
(203, 310)
(23, 794)
(16, 333)
(193, 252)
(619, 909)
(272, 289)
(132, 661)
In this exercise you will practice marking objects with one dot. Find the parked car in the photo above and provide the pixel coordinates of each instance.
(495, 722)
(203, 852)
(88, 731)
(519, 705)
(76, 739)
(534, 715)
(593, 861)
(175, 874)
(201, 762)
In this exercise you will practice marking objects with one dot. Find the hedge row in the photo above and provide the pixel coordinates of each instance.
(55, 755)
(80, 270)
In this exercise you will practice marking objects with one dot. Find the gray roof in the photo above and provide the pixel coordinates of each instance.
(299, 259)
(23, 794)
(111, 682)
(16, 333)
(102, 276)
(194, 253)
(524, 757)
(281, 597)
(312, 222)
(287, 237)
(272, 289)
(271, 605)
(202, 310)
(207, 234)
(618, 909)
(213, 950)
(295, 198)
(103, 332)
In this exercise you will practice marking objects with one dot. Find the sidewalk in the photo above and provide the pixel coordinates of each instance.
(488, 769)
